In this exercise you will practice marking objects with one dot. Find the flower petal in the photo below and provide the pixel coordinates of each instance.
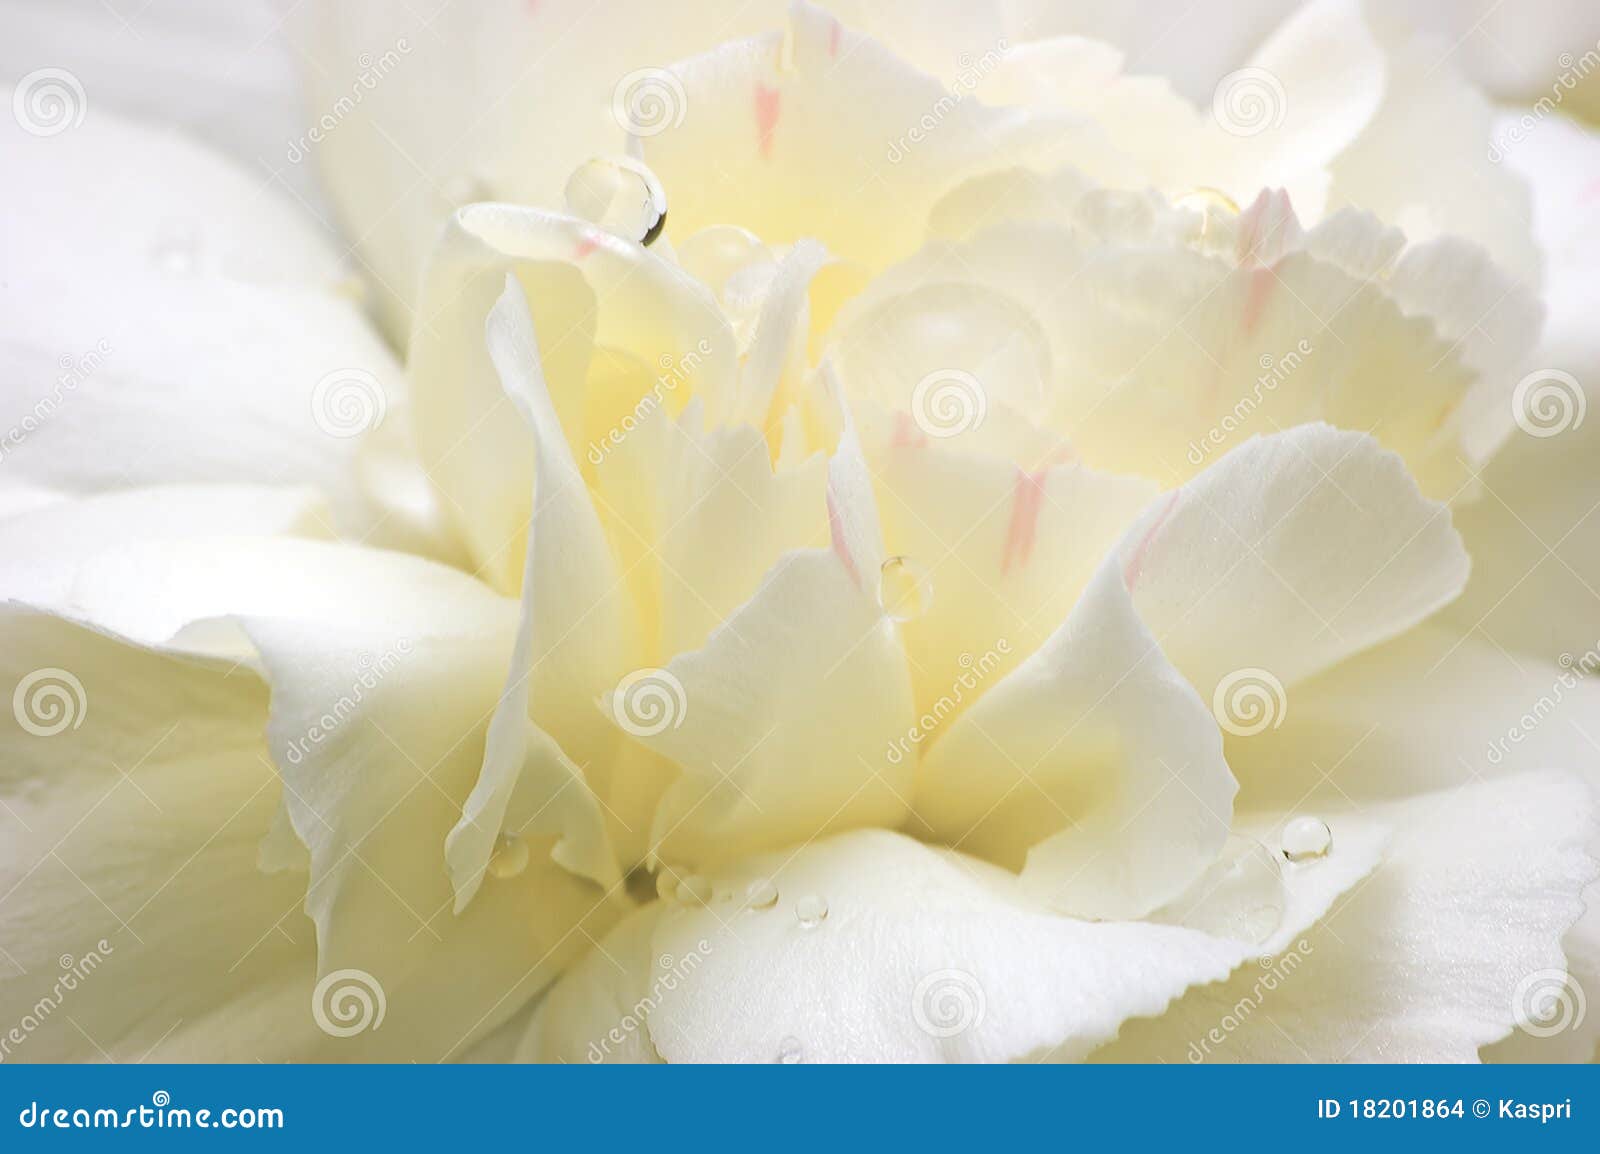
(780, 722)
(377, 759)
(825, 115)
(1121, 748)
(1424, 962)
(421, 112)
(570, 641)
(132, 805)
(597, 302)
(1289, 554)
(242, 364)
(1004, 548)
(598, 1010)
(881, 949)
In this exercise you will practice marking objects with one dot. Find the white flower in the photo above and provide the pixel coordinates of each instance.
(973, 558)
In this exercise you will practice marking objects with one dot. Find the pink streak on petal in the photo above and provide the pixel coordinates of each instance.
(1267, 229)
(1262, 283)
(1134, 568)
(836, 536)
(833, 40)
(586, 246)
(768, 102)
(906, 434)
(1027, 499)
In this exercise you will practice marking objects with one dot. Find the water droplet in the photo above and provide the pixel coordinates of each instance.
(761, 894)
(694, 890)
(1240, 896)
(510, 857)
(905, 589)
(812, 910)
(789, 1051)
(177, 250)
(1306, 838)
(621, 195)
(1209, 203)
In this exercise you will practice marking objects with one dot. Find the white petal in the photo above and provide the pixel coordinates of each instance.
(602, 308)
(1424, 161)
(377, 759)
(570, 639)
(1126, 756)
(599, 1010)
(782, 721)
(1289, 554)
(922, 956)
(210, 345)
(45, 549)
(131, 810)
(1005, 548)
(826, 116)
(448, 101)
(1424, 962)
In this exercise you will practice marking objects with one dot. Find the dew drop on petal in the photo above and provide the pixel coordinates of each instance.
(176, 251)
(1209, 203)
(1241, 896)
(510, 857)
(811, 910)
(621, 195)
(694, 890)
(789, 1051)
(905, 588)
(1306, 838)
(761, 894)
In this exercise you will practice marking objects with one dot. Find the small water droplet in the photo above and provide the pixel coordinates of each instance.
(1209, 204)
(510, 857)
(1240, 896)
(621, 195)
(1306, 838)
(761, 894)
(694, 890)
(812, 910)
(790, 1051)
(905, 589)
(177, 250)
